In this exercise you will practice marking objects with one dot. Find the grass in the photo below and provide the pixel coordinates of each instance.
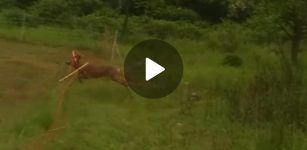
(100, 114)
(52, 36)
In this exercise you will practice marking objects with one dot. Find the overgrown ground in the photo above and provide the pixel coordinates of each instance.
(217, 107)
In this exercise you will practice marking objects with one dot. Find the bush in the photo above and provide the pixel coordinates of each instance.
(161, 29)
(95, 23)
(165, 29)
(271, 95)
(175, 14)
(51, 9)
(228, 37)
(15, 16)
(232, 60)
(189, 31)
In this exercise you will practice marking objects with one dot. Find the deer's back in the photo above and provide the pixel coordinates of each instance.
(98, 71)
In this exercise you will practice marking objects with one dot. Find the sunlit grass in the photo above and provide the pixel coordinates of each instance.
(100, 114)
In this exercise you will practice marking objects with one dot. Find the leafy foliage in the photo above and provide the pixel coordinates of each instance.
(14, 16)
(228, 37)
(283, 20)
(165, 29)
(232, 60)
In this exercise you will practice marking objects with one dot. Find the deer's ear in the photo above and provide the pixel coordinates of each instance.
(76, 54)
(73, 53)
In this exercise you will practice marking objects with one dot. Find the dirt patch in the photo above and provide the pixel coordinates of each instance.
(26, 68)
(57, 125)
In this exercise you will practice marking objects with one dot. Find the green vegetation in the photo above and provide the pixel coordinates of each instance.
(244, 85)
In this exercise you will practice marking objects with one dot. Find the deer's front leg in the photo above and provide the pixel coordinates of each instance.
(80, 81)
(80, 76)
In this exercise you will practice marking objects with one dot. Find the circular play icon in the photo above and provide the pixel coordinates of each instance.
(153, 68)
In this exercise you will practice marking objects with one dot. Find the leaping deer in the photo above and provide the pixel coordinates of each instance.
(95, 71)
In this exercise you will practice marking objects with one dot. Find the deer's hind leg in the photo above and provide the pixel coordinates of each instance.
(119, 79)
(81, 76)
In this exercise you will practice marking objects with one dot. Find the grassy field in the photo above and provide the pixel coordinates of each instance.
(209, 110)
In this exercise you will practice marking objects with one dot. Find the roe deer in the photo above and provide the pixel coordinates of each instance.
(96, 71)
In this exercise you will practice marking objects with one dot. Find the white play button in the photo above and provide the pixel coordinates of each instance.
(152, 69)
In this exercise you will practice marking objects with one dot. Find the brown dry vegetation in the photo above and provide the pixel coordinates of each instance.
(26, 68)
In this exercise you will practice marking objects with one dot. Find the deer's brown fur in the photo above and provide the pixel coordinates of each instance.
(96, 71)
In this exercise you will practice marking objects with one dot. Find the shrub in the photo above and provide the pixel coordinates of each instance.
(14, 16)
(161, 29)
(50, 10)
(175, 14)
(227, 37)
(189, 31)
(232, 60)
(166, 29)
(271, 95)
(95, 23)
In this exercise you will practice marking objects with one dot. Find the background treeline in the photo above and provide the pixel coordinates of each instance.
(271, 21)
(244, 85)
(125, 15)
(187, 10)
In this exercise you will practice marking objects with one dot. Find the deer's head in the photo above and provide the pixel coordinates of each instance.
(74, 59)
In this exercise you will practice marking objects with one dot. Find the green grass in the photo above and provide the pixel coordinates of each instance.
(52, 36)
(99, 114)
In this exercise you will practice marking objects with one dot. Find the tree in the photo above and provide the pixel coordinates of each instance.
(240, 10)
(213, 11)
(289, 16)
(126, 7)
(24, 4)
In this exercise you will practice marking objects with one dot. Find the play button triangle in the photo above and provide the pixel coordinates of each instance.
(152, 69)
